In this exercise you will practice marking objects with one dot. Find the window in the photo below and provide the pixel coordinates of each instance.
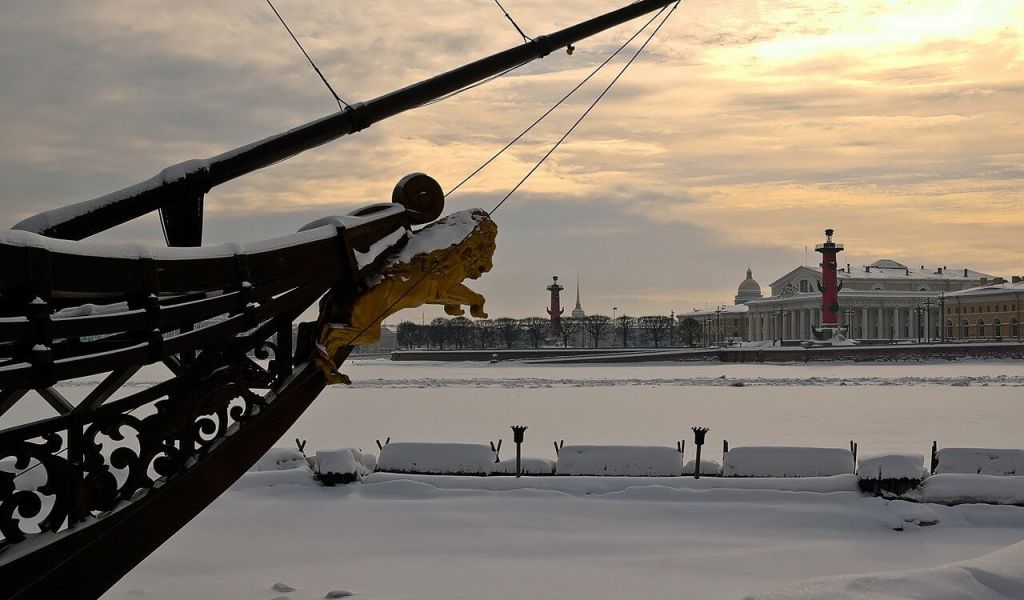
(981, 328)
(997, 328)
(949, 329)
(877, 286)
(805, 286)
(1014, 331)
(923, 288)
(965, 329)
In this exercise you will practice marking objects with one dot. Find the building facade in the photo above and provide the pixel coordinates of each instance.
(987, 312)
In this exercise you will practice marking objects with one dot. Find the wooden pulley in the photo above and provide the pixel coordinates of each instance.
(422, 197)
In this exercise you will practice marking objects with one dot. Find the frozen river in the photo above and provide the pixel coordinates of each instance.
(884, 407)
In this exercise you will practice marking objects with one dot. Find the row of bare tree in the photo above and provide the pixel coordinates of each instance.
(594, 331)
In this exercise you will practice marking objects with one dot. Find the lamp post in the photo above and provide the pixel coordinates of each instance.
(943, 318)
(672, 329)
(927, 321)
(518, 433)
(699, 434)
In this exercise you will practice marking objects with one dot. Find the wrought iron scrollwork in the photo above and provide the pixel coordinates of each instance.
(91, 466)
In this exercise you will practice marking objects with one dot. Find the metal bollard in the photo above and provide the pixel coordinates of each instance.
(698, 438)
(518, 433)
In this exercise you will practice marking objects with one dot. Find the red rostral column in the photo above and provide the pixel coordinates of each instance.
(556, 310)
(829, 285)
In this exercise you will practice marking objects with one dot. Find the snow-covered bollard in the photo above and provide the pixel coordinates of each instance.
(784, 461)
(436, 458)
(346, 465)
(630, 461)
(890, 474)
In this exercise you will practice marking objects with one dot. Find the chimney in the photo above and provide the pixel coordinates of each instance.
(922, 267)
(907, 271)
(965, 272)
(1015, 279)
(867, 269)
(848, 268)
(984, 280)
(998, 280)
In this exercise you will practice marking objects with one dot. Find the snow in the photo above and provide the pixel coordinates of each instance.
(604, 538)
(707, 467)
(456, 227)
(891, 466)
(425, 457)
(984, 461)
(632, 461)
(364, 259)
(783, 461)
(956, 488)
(995, 576)
(531, 466)
(345, 461)
(280, 459)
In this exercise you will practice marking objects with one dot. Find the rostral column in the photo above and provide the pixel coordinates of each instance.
(829, 285)
(555, 311)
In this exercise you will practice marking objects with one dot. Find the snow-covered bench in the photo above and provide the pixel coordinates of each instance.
(436, 458)
(631, 461)
(787, 461)
(886, 474)
(980, 461)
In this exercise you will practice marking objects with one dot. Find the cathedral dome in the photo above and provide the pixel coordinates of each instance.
(748, 290)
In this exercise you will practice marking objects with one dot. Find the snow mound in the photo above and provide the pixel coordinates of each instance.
(960, 488)
(632, 461)
(265, 479)
(708, 466)
(891, 466)
(980, 461)
(995, 576)
(531, 466)
(280, 459)
(343, 466)
(433, 458)
(785, 461)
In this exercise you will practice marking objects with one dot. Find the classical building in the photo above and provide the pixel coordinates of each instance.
(990, 311)
(883, 301)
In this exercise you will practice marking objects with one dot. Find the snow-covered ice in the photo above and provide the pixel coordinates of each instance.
(399, 536)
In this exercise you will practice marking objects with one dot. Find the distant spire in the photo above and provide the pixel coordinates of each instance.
(578, 292)
(750, 275)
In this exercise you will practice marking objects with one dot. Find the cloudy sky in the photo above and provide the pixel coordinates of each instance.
(744, 130)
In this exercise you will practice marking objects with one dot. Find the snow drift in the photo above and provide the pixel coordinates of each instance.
(436, 458)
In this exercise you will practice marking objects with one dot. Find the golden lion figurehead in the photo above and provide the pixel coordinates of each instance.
(430, 269)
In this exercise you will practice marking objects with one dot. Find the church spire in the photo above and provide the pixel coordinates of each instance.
(577, 313)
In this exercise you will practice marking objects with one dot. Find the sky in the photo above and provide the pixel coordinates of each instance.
(742, 132)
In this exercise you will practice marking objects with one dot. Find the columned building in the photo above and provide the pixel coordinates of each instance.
(885, 300)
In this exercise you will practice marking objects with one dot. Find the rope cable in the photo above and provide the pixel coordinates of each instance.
(489, 216)
(555, 106)
(526, 38)
(341, 103)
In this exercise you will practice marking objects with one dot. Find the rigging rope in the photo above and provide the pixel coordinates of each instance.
(556, 104)
(526, 38)
(436, 264)
(309, 58)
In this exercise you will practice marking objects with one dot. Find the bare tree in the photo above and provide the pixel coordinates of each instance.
(460, 331)
(410, 335)
(485, 333)
(656, 327)
(597, 328)
(689, 331)
(536, 329)
(570, 330)
(508, 330)
(623, 326)
(437, 332)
